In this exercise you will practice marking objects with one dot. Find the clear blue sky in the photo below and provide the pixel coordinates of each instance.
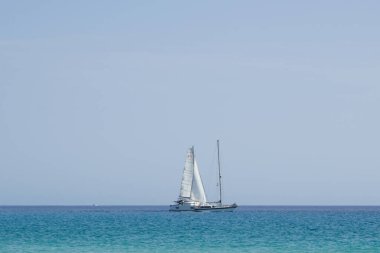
(99, 100)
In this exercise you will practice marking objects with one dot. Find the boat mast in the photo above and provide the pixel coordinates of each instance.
(192, 180)
(220, 176)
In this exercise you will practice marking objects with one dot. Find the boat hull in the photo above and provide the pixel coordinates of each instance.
(202, 208)
(227, 208)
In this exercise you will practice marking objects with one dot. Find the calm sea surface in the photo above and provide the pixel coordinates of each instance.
(154, 229)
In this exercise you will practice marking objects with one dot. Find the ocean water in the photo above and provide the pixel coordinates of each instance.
(154, 229)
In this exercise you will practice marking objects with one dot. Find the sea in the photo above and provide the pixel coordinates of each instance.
(155, 229)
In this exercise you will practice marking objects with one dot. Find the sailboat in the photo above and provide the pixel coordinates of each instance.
(192, 195)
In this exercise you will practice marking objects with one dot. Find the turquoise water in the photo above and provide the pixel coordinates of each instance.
(154, 229)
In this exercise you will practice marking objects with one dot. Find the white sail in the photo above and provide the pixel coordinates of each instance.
(197, 189)
(187, 177)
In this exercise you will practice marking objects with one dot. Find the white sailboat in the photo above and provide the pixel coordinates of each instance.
(192, 195)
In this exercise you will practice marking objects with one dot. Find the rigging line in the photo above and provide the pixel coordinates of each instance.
(212, 164)
(213, 174)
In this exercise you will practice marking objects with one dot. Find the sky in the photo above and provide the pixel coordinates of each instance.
(100, 100)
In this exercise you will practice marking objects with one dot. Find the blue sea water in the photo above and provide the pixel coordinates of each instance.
(155, 229)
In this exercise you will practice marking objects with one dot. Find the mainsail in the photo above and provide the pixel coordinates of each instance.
(187, 177)
(191, 185)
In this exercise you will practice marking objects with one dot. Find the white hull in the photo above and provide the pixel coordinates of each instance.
(202, 208)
